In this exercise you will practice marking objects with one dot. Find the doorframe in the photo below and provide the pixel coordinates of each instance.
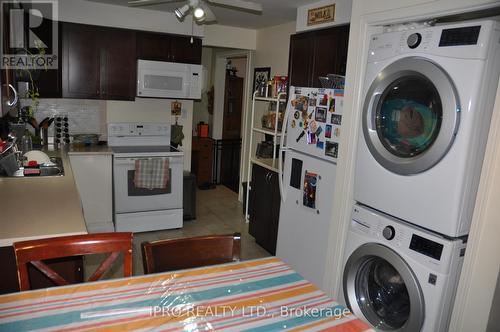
(219, 86)
(481, 265)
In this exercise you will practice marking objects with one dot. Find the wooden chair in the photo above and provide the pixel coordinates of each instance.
(176, 254)
(35, 251)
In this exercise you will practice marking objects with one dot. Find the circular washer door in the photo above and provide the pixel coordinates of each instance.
(410, 116)
(382, 288)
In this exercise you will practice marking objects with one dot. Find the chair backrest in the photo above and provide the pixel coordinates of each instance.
(35, 251)
(176, 254)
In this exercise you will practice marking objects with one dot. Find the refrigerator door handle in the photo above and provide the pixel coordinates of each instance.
(283, 149)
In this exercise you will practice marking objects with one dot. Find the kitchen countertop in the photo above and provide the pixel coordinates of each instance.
(38, 207)
(92, 149)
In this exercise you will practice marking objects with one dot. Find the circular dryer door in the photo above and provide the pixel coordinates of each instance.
(411, 115)
(382, 288)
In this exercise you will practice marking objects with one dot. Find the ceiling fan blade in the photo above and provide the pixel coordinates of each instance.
(140, 3)
(239, 4)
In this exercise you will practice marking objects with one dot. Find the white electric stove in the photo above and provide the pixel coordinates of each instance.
(140, 209)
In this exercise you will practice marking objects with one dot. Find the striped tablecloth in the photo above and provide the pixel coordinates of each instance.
(259, 295)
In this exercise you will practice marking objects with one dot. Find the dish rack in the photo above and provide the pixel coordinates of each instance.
(332, 81)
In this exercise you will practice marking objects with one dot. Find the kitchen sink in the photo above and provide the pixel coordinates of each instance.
(54, 168)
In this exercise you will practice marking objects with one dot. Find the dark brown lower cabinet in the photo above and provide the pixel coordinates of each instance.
(264, 207)
(70, 268)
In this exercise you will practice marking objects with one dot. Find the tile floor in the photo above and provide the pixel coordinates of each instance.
(218, 211)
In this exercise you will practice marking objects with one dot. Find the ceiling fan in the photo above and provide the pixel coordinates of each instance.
(201, 8)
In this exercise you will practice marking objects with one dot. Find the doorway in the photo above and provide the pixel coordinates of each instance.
(230, 144)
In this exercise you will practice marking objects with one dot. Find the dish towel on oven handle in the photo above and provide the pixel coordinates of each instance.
(151, 173)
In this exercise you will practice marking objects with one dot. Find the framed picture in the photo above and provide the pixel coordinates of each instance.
(261, 75)
(321, 15)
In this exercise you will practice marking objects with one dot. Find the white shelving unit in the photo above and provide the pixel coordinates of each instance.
(257, 130)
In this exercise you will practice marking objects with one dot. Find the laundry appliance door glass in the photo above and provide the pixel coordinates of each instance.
(411, 115)
(380, 287)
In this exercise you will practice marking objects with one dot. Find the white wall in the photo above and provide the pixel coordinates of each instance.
(342, 14)
(273, 44)
(200, 108)
(80, 11)
(231, 37)
(154, 110)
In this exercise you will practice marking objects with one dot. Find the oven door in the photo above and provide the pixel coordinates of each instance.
(129, 198)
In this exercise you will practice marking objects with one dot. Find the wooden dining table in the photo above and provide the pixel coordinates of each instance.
(257, 295)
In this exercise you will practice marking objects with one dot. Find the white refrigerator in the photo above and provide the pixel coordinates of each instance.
(308, 158)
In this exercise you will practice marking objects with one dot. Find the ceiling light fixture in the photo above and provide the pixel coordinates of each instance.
(199, 14)
(181, 11)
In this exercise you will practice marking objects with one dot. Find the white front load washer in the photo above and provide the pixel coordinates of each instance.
(398, 277)
(429, 95)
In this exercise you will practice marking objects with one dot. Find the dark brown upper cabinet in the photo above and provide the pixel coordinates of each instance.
(98, 62)
(118, 64)
(317, 53)
(46, 81)
(165, 47)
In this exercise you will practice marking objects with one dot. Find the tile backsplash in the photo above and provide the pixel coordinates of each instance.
(85, 116)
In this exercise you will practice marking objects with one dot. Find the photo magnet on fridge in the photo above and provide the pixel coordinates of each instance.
(300, 103)
(320, 115)
(323, 100)
(332, 105)
(311, 138)
(320, 145)
(336, 132)
(332, 149)
(336, 119)
(309, 190)
(328, 131)
(319, 131)
(312, 101)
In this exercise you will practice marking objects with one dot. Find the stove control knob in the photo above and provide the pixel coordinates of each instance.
(389, 232)
(414, 40)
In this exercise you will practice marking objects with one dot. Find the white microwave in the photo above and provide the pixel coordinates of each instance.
(168, 79)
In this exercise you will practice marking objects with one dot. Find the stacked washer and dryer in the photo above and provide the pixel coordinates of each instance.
(429, 94)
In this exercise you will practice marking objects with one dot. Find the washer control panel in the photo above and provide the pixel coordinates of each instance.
(388, 233)
(414, 40)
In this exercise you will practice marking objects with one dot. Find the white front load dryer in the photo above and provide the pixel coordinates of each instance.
(429, 95)
(398, 277)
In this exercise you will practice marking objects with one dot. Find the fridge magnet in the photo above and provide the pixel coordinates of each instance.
(331, 149)
(175, 108)
(296, 115)
(300, 136)
(332, 105)
(320, 145)
(300, 103)
(309, 190)
(312, 101)
(293, 124)
(311, 138)
(319, 131)
(320, 114)
(328, 131)
(313, 126)
(300, 124)
(336, 132)
(338, 92)
(323, 100)
(336, 119)
(297, 91)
